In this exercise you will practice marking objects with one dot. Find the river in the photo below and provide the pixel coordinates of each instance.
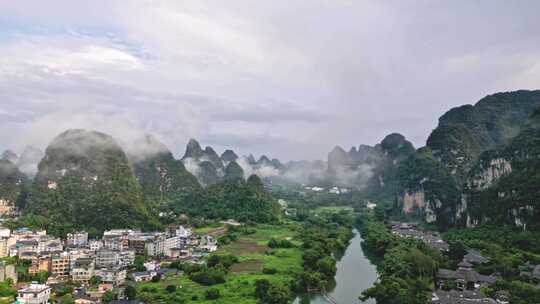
(354, 274)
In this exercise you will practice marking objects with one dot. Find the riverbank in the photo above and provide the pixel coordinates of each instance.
(355, 272)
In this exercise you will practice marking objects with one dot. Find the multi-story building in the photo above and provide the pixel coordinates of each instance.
(40, 263)
(77, 239)
(138, 243)
(47, 243)
(83, 270)
(5, 232)
(170, 243)
(114, 275)
(60, 264)
(95, 245)
(34, 294)
(107, 258)
(126, 258)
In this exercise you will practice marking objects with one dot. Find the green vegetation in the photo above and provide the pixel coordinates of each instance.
(239, 200)
(245, 259)
(83, 176)
(163, 179)
(12, 182)
(407, 269)
(510, 252)
(261, 264)
(422, 172)
(513, 198)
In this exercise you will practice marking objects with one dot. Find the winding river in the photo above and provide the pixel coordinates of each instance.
(354, 274)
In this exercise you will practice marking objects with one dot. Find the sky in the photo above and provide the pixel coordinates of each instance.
(289, 79)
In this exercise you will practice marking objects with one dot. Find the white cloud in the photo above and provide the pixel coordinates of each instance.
(286, 79)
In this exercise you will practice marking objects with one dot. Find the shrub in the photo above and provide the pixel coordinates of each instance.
(170, 288)
(212, 294)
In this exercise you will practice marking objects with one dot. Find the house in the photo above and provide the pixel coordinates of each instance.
(84, 300)
(207, 244)
(474, 257)
(114, 276)
(60, 264)
(143, 276)
(107, 258)
(460, 297)
(95, 245)
(34, 294)
(83, 270)
(77, 239)
(152, 266)
(465, 277)
(40, 263)
(180, 253)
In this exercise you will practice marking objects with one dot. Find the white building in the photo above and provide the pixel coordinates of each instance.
(5, 232)
(77, 239)
(95, 245)
(34, 294)
(115, 276)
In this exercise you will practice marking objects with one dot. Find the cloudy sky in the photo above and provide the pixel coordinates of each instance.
(287, 78)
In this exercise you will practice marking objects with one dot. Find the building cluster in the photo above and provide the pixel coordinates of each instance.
(432, 239)
(465, 283)
(454, 286)
(106, 260)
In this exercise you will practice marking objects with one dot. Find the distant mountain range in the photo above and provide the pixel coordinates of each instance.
(479, 165)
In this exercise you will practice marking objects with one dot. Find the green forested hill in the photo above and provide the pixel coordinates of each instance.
(232, 199)
(163, 179)
(85, 181)
(504, 187)
(12, 182)
(468, 141)
(466, 131)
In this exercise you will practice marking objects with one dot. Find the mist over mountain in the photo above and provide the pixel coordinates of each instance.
(83, 175)
(163, 178)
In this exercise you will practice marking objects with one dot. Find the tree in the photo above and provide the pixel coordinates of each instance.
(66, 299)
(277, 294)
(261, 288)
(456, 251)
(108, 296)
(94, 280)
(212, 294)
(130, 292)
(170, 288)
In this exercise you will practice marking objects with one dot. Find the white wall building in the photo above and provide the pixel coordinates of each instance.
(34, 294)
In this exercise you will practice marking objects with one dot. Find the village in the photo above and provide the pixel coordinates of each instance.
(94, 266)
(463, 284)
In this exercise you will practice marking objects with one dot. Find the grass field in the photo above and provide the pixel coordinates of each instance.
(253, 254)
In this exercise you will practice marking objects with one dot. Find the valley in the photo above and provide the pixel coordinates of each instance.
(388, 223)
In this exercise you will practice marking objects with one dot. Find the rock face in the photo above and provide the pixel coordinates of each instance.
(465, 132)
(163, 179)
(85, 180)
(229, 156)
(193, 150)
(503, 186)
(473, 160)
(497, 168)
